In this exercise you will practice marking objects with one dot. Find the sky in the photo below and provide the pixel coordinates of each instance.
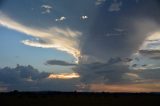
(82, 45)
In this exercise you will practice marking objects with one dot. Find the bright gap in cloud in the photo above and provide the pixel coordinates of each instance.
(64, 76)
(147, 56)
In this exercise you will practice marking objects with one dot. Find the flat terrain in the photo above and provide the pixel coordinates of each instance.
(78, 99)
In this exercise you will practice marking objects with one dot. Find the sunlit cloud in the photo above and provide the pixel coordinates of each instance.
(84, 17)
(63, 39)
(154, 36)
(64, 76)
(125, 88)
(61, 18)
(37, 44)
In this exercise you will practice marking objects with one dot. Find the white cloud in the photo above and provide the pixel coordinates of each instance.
(65, 39)
(115, 6)
(61, 18)
(47, 8)
(99, 2)
(84, 17)
(37, 44)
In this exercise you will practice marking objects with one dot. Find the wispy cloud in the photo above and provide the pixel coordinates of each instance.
(99, 2)
(37, 44)
(63, 39)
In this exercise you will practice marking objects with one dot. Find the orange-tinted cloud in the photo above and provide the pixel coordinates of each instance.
(125, 88)
(64, 76)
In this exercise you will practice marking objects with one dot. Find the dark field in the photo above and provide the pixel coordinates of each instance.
(78, 99)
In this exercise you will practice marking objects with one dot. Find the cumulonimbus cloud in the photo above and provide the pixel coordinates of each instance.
(63, 39)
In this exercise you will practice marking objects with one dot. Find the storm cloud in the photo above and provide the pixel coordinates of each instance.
(27, 78)
(107, 45)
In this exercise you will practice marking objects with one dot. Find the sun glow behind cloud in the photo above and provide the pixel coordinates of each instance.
(152, 42)
(64, 76)
(145, 58)
(125, 87)
(63, 39)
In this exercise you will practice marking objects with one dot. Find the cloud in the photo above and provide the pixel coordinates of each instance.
(150, 74)
(59, 62)
(47, 8)
(155, 57)
(61, 18)
(63, 39)
(27, 78)
(99, 2)
(116, 71)
(125, 88)
(133, 77)
(64, 76)
(84, 17)
(97, 54)
(115, 6)
(111, 80)
(149, 52)
(151, 45)
(37, 44)
(109, 72)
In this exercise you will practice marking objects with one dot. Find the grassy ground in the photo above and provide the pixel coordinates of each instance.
(78, 99)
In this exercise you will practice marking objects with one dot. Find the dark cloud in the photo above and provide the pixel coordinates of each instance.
(150, 74)
(116, 71)
(59, 62)
(106, 35)
(155, 57)
(101, 50)
(109, 72)
(149, 52)
(27, 78)
(137, 25)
